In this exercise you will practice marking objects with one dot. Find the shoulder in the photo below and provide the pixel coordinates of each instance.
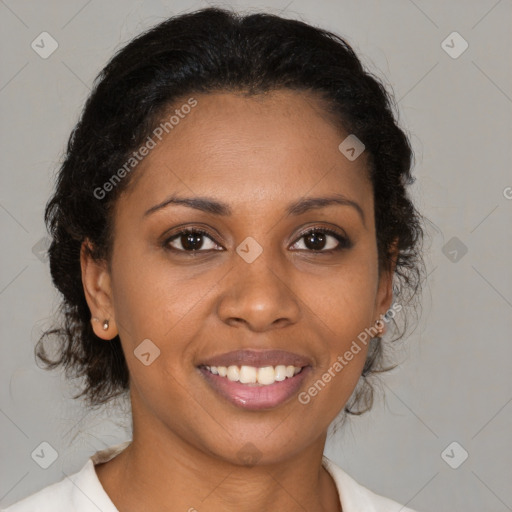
(355, 497)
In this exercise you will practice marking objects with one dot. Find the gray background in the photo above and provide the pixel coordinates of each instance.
(454, 383)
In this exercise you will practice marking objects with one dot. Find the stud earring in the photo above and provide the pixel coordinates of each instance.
(105, 325)
(380, 327)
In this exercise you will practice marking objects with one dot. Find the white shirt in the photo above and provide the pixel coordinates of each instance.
(83, 492)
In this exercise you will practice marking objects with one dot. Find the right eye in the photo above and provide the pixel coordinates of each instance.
(191, 240)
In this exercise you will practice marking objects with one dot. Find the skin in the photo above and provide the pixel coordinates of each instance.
(256, 154)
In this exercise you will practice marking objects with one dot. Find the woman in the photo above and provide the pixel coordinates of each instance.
(227, 227)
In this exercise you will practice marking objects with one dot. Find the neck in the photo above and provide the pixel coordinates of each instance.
(160, 472)
(172, 470)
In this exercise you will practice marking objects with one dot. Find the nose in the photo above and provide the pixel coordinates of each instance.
(259, 295)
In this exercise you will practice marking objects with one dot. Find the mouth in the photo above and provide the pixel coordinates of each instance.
(256, 380)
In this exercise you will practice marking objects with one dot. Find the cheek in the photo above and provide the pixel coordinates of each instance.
(151, 297)
(346, 313)
(345, 304)
(344, 299)
(153, 303)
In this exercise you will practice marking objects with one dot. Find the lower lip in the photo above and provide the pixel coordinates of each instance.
(254, 396)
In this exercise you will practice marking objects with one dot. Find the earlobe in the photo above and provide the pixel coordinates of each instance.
(108, 328)
(98, 293)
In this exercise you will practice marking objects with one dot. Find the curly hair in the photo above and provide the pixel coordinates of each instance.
(201, 52)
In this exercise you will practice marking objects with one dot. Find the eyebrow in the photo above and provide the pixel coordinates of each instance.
(209, 205)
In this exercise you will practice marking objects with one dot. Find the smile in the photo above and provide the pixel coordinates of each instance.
(264, 376)
(255, 379)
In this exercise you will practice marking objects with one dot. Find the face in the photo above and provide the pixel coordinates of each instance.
(225, 256)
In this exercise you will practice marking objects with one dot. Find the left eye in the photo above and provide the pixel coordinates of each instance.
(321, 240)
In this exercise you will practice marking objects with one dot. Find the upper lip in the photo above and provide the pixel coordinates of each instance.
(257, 358)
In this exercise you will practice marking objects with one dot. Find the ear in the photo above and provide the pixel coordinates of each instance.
(385, 285)
(98, 292)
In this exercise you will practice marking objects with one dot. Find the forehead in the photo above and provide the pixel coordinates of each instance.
(273, 147)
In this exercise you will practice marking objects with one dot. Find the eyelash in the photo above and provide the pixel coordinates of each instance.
(343, 242)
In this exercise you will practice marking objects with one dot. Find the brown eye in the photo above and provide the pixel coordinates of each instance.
(321, 240)
(316, 240)
(191, 240)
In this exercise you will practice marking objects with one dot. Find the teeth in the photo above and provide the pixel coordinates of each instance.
(252, 375)
(266, 375)
(233, 373)
(280, 372)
